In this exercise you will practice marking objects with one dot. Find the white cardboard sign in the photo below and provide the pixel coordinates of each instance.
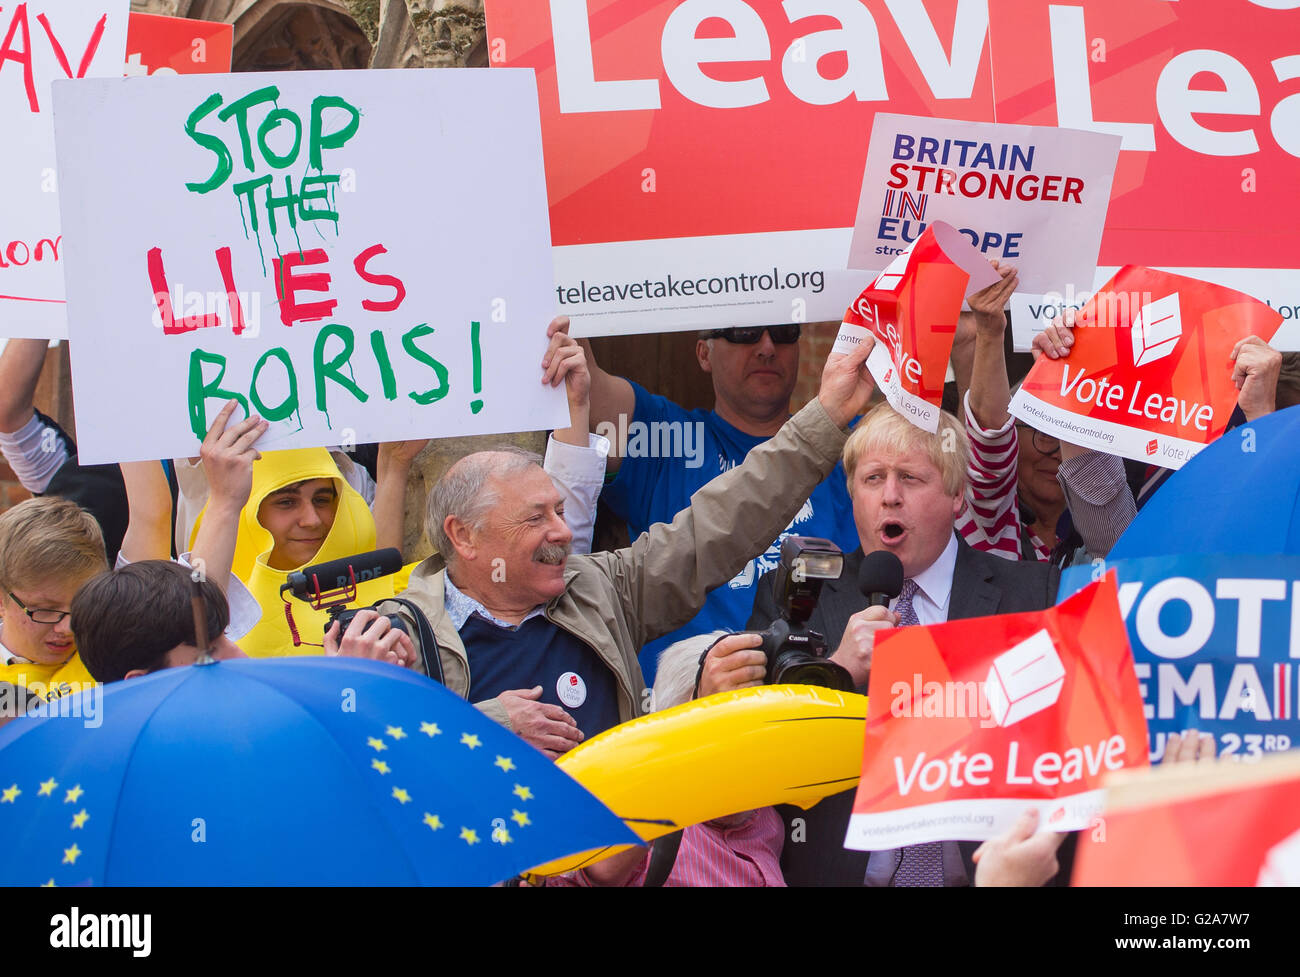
(354, 255)
(41, 41)
(1032, 196)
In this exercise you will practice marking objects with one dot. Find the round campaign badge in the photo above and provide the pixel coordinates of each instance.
(571, 689)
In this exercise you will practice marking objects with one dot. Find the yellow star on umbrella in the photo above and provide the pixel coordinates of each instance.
(470, 836)
(380, 765)
(72, 795)
(433, 821)
(501, 836)
(401, 794)
(70, 854)
(523, 793)
(376, 743)
(396, 732)
(471, 740)
(505, 763)
(430, 729)
(48, 885)
(520, 818)
(80, 818)
(10, 795)
(47, 787)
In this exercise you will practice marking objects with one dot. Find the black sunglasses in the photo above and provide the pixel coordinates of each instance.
(749, 335)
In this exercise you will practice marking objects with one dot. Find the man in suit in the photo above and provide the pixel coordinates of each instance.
(907, 487)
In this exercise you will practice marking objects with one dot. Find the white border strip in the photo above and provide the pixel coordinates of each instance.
(977, 819)
(1090, 432)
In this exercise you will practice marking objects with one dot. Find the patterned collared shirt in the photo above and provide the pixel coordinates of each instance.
(460, 607)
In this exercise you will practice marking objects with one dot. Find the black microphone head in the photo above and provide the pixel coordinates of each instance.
(881, 572)
(334, 574)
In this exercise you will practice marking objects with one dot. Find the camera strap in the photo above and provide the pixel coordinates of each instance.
(429, 649)
(663, 855)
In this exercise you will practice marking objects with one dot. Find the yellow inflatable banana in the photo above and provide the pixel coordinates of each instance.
(731, 752)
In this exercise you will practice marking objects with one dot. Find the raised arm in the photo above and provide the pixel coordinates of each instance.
(575, 458)
(20, 371)
(149, 506)
(611, 396)
(990, 391)
(393, 470)
(228, 456)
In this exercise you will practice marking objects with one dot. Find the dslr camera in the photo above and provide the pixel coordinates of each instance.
(796, 654)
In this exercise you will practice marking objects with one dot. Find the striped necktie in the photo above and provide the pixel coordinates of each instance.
(919, 865)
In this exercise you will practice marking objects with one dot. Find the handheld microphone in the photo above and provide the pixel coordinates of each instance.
(336, 574)
(880, 578)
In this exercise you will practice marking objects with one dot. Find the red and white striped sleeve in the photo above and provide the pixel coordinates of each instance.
(991, 520)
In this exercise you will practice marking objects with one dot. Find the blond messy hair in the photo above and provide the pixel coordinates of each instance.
(49, 539)
(885, 431)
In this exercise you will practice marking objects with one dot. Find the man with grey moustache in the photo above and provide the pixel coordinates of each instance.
(546, 644)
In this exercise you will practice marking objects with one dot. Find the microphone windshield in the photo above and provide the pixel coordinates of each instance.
(335, 573)
(881, 572)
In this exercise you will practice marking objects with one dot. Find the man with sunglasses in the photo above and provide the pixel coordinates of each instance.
(754, 370)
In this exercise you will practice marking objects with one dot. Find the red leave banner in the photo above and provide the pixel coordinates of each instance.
(1216, 824)
(177, 46)
(971, 722)
(912, 309)
(1149, 375)
(704, 159)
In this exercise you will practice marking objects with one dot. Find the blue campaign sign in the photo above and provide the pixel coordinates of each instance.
(1216, 642)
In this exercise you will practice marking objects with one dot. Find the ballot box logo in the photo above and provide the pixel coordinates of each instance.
(1153, 446)
(1024, 680)
(1156, 330)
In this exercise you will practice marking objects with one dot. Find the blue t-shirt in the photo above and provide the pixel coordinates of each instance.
(571, 674)
(670, 454)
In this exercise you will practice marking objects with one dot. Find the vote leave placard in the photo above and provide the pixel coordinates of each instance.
(912, 309)
(1031, 196)
(272, 239)
(1221, 824)
(1215, 643)
(704, 159)
(971, 722)
(40, 41)
(1149, 375)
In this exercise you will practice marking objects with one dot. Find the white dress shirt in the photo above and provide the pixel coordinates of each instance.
(934, 587)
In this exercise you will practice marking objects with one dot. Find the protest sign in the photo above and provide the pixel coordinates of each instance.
(912, 308)
(1031, 196)
(1149, 376)
(353, 256)
(1198, 825)
(1031, 314)
(972, 721)
(41, 40)
(177, 46)
(722, 143)
(1215, 641)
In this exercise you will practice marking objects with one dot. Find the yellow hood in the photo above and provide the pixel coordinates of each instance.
(353, 532)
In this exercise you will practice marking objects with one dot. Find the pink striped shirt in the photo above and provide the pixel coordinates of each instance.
(719, 853)
(991, 521)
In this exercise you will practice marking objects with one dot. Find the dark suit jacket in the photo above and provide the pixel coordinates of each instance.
(982, 585)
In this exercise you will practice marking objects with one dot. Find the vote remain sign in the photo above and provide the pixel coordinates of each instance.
(971, 722)
(911, 308)
(1149, 376)
(1215, 644)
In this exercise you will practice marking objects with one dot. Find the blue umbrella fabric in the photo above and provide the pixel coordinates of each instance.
(1239, 495)
(311, 771)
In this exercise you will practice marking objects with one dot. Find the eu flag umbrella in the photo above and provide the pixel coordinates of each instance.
(1240, 495)
(315, 771)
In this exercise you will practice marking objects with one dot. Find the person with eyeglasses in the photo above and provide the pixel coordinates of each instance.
(49, 548)
(1021, 478)
(670, 453)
